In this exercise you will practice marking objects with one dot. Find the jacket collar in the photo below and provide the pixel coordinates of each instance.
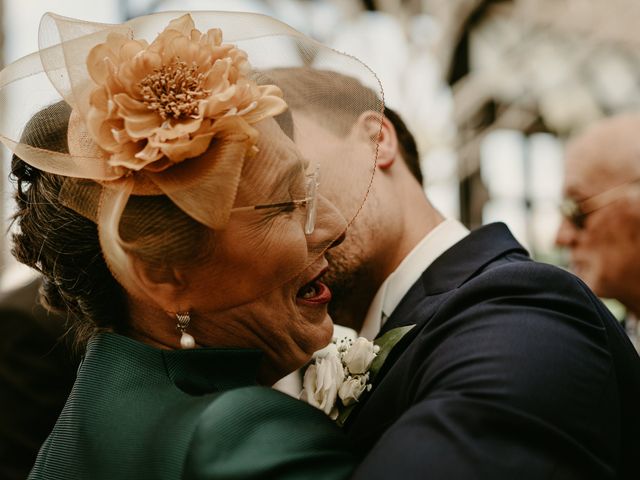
(467, 257)
(454, 267)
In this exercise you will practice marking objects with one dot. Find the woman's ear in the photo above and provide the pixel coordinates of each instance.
(165, 286)
(375, 125)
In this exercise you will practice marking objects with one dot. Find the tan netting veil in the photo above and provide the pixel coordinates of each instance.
(175, 120)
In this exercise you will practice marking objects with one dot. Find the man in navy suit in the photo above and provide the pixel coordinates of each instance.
(514, 369)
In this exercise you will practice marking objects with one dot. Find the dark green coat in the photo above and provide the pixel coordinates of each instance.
(138, 412)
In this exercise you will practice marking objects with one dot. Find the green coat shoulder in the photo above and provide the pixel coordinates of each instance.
(257, 432)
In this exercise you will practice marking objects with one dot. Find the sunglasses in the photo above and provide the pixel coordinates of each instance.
(577, 211)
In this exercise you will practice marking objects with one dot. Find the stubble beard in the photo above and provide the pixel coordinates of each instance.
(351, 269)
(350, 280)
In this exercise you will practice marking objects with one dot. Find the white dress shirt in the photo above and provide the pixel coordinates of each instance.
(396, 285)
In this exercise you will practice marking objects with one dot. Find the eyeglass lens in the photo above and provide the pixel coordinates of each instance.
(572, 212)
(312, 200)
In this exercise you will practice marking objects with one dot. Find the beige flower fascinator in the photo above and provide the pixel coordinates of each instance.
(171, 105)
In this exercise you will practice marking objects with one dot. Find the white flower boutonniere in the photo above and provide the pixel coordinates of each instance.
(341, 373)
(323, 379)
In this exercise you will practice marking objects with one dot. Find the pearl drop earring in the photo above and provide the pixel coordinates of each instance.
(186, 340)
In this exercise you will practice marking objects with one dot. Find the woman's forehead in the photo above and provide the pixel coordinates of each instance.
(277, 164)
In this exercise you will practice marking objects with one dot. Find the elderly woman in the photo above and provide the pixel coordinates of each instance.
(165, 202)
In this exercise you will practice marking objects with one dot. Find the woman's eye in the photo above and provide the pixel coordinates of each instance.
(288, 208)
(280, 209)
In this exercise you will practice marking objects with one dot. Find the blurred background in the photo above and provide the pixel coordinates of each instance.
(491, 89)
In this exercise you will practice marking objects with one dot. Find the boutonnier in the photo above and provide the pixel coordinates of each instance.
(344, 370)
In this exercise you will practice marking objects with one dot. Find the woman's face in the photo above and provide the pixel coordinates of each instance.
(262, 288)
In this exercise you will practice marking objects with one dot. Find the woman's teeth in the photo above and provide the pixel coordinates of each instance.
(308, 291)
(314, 293)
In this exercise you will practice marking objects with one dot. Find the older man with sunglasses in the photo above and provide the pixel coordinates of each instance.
(601, 226)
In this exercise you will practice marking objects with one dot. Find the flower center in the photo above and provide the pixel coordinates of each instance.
(174, 90)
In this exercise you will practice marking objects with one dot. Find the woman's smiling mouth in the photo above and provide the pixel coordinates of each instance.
(314, 292)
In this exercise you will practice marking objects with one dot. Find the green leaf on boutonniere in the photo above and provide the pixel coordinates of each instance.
(386, 343)
(344, 414)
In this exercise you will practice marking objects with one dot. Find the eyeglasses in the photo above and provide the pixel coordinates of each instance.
(577, 211)
(310, 201)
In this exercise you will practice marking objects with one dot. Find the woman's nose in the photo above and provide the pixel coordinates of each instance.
(330, 225)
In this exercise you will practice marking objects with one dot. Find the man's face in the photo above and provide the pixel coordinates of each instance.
(604, 251)
(354, 274)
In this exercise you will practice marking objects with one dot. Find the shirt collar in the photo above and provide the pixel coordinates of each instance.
(396, 285)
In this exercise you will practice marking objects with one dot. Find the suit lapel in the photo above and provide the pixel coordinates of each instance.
(453, 268)
(450, 270)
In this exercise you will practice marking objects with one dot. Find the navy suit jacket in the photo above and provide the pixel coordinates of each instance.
(514, 370)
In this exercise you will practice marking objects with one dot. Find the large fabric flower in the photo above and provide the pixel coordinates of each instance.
(184, 96)
(159, 104)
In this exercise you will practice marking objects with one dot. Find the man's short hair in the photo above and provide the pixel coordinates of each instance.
(344, 94)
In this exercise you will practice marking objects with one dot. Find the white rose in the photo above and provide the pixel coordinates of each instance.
(359, 356)
(352, 388)
(329, 350)
(323, 380)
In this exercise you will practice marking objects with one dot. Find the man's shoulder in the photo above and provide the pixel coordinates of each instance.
(515, 318)
(503, 296)
(509, 355)
(514, 293)
(518, 335)
(519, 273)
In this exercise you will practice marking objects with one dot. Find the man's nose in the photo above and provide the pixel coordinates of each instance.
(566, 234)
(330, 224)
(339, 240)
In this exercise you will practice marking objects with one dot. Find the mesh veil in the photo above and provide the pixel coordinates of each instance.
(165, 204)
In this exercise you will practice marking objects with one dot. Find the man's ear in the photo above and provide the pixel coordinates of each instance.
(165, 286)
(374, 125)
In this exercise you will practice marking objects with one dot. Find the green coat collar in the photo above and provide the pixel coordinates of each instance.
(196, 372)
